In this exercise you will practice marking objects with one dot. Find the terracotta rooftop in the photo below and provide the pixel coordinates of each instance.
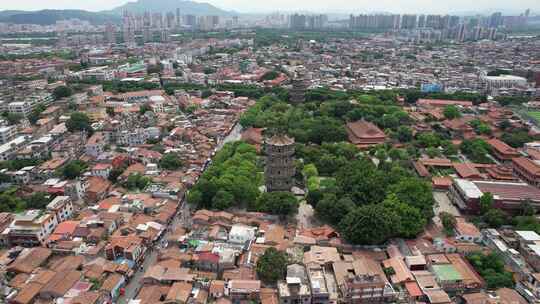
(29, 261)
(364, 132)
(530, 166)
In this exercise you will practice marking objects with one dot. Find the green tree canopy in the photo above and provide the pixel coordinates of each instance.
(222, 200)
(495, 218)
(451, 112)
(62, 92)
(272, 266)
(411, 219)
(137, 181)
(491, 268)
(270, 75)
(332, 209)
(404, 134)
(486, 202)
(279, 203)
(369, 225)
(79, 121)
(171, 161)
(448, 221)
(416, 193)
(74, 169)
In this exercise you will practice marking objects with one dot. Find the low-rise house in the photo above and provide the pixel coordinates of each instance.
(97, 188)
(95, 145)
(502, 151)
(467, 232)
(61, 207)
(206, 261)
(217, 289)
(295, 288)
(126, 247)
(111, 286)
(59, 284)
(29, 259)
(101, 170)
(527, 170)
(180, 292)
(241, 234)
(363, 281)
(31, 228)
(243, 290)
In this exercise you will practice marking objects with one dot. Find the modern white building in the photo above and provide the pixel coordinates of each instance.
(8, 149)
(503, 82)
(7, 133)
(240, 234)
(20, 107)
(61, 207)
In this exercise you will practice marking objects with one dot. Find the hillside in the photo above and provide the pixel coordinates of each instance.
(47, 17)
(164, 6)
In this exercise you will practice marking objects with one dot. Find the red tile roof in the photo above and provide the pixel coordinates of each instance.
(364, 132)
(443, 102)
(528, 165)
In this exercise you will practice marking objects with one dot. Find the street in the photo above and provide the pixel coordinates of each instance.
(181, 219)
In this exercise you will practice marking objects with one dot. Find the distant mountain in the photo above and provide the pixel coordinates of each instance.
(47, 17)
(164, 6)
(8, 13)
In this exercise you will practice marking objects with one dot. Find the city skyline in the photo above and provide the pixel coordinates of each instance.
(337, 6)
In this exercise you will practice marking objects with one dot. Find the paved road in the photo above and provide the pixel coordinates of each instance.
(181, 219)
(234, 135)
(306, 216)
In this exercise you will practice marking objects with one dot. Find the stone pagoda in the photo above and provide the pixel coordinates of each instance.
(280, 169)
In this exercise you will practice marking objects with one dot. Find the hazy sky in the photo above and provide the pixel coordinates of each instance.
(397, 6)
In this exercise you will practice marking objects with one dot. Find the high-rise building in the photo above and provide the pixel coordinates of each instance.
(492, 34)
(157, 20)
(454, 22)
(433, 21)
(478, 32)
(496, 20)
(316, 21)
(408, 22)
(445, 22)
(378, 21)
(165, 37)
(128, 29)
(147, 30)
(297, 22)
(279, 169)
(110, 33)
(191, 20)
(170, 20)
(462, 33)
(422, 21)
(215, 21)
(62, 39)
(178, 18)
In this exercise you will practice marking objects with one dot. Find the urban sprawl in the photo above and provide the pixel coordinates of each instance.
(279, 159)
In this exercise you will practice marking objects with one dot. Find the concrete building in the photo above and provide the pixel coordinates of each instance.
(295, 289)
(31, 228)
(506, 195)
(61, 207)
(7, 133)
